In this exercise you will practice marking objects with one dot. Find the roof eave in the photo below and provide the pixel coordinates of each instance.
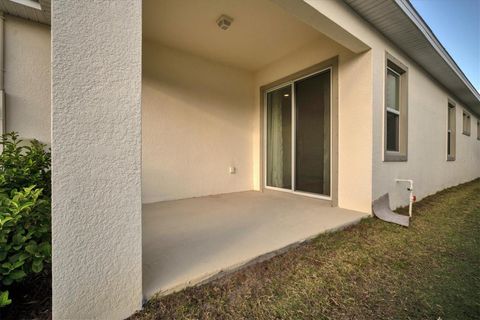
(406, 6)
(409, 32)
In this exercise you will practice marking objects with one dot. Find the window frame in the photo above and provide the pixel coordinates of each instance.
(401, 70)
(466, 130)
(478, 129)
(453, 131)
(331, 64)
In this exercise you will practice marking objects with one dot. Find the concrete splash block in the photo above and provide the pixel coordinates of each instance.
(381, 209)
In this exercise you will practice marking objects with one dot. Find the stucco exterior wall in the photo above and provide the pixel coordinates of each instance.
(193, 131)
(96, 159)
(197, 123)
(427, 161)
(354, 123)
(427, 120)
(27, 78)
(355, 132)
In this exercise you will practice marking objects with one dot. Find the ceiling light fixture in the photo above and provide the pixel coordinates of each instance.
(224, 22)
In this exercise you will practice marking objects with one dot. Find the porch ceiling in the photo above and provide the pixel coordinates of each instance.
(188, 241)
(261, 32)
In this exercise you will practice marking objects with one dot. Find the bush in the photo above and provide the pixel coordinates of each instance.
(25, 210)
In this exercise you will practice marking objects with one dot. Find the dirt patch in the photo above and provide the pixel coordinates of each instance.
(32, 299)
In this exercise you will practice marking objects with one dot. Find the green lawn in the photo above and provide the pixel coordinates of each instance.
(374, 270)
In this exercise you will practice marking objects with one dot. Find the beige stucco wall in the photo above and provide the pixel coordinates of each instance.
(355, 132)
(427, 161)
(27, 78)
(427, 123)
(210, 117)
(354, 123)
(197, 122)
(193, 131)
(96, 159)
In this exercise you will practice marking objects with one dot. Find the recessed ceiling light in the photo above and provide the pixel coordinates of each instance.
(286, 95)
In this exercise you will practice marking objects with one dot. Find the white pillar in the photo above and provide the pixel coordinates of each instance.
(96, 150)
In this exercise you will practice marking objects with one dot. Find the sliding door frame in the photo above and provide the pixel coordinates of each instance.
(329, 65)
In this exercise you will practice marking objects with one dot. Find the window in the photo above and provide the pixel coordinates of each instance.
(451, 140)
(466, 123)
(478, 129)
(395, 110)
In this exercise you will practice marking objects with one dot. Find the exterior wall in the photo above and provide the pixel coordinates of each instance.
(355, 132)
(197, 122)
(27, 78)
(96, 159)
(354, 123)
(173, 177)
(427, 120)
(427, 161)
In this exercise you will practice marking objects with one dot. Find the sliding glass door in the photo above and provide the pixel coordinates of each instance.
(298, 135)
(312, 151)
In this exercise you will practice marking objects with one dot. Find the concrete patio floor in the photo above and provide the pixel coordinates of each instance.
(188, 241)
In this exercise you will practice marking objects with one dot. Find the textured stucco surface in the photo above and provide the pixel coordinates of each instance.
(27, 78)
(427, 162)
(354, 94)
(96, 141)
(193, 131)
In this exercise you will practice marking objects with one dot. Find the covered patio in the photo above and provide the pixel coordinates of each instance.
(188, 241)
(209, 203)
(160, 141)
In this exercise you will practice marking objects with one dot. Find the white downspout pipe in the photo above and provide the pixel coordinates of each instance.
(411, 197)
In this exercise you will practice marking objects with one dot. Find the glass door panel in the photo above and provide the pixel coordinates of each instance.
(279, 138)
(312, 134)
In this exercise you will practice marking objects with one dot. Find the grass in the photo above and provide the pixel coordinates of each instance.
(374, 270)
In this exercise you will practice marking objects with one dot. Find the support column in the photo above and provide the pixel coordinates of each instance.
(96, 150)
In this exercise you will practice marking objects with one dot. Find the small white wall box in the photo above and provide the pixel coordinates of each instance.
(224, 22)
(232, 170)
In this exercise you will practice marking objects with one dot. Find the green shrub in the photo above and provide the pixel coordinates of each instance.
(24, 164)
(25, 210)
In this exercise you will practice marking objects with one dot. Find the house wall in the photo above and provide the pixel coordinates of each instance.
(27, 78)
(235, 109)
(185, 121)
(354, 116)
(427, 120)
(197, 121)
(427, 161)
(96, 159)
